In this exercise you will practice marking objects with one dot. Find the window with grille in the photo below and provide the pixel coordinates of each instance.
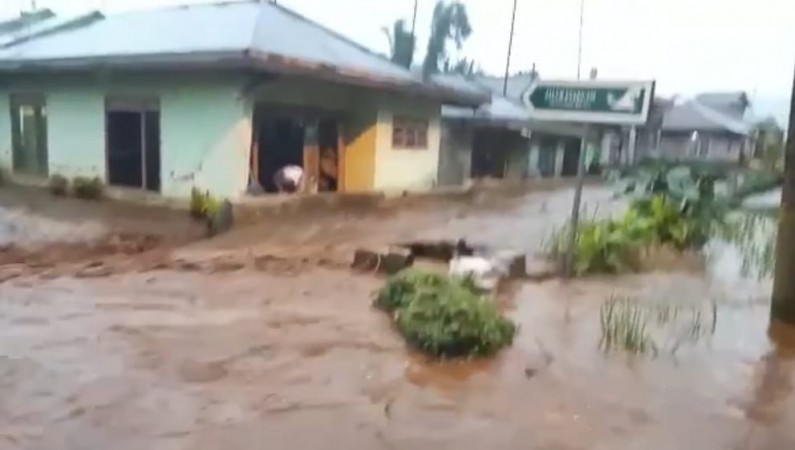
(409, 133)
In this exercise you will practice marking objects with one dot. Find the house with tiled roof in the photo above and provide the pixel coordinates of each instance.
(712, 126)
(216, 97)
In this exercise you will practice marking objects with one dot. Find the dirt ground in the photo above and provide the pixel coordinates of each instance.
(263, 338)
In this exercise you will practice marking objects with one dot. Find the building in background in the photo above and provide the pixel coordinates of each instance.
(711, 126)
(216, 97)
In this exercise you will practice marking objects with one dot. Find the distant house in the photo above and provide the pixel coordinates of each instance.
(711, 126)
(485, 142)
(214, 96)
(499, 139)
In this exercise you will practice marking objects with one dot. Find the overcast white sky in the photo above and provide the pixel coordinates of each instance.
(686, 45)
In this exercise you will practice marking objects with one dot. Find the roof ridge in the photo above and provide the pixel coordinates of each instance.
(187, 5)
(719, 118)
(331, 32)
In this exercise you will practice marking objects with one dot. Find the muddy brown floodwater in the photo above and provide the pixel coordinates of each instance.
(260, 353)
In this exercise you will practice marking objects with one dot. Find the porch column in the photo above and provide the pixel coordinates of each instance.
(633, 140)
(560, 151)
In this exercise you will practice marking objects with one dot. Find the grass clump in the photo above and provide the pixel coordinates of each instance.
(202, 204)
(642, 327)
(625, 326)
(58, 185)
(88, 188)
(444, 316)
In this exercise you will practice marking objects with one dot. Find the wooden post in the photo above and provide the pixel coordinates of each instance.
(783, 302)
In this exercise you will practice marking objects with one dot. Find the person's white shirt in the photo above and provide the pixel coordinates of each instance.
(293, 173)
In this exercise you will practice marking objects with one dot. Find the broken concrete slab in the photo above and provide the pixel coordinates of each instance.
(389, 260)
(541, 269)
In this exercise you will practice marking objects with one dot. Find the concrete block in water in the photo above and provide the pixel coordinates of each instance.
(387, 260)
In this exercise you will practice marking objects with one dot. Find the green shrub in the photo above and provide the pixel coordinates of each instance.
(443, 316)
(88, 188)
(202, 204)
(59, 185)
(407, 285)
(612, 245)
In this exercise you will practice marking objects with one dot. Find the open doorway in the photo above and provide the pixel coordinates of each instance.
(284, 136)
(329, 144)
(133, 143)
(571, 157)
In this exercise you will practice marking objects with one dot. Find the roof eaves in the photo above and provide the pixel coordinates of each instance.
(294, 66)
(75, 22)
(218, 59)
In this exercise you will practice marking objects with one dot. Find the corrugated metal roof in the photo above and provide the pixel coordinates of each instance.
(47, 26)
(693, 116)
(500, 110)
(257, 33)
(179, 30)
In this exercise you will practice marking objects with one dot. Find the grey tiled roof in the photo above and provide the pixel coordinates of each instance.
(517, 84)
(695, 116)
(500, 110)
(251, 32)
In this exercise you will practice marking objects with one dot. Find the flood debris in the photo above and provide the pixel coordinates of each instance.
(487, 267)
(388, 259)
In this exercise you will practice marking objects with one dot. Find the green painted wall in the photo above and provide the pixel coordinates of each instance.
(5, 132)
(205, 126)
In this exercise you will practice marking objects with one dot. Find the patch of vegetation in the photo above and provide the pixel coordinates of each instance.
(202, 204)
(673, 205)
(625, 326)
(58, 185)
(88, 188)
(637, 327)
(614, 245)
(755, 182)
(444, 316)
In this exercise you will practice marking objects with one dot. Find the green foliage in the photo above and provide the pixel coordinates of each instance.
(444, 316)
(401, 43)
(643, 327)
(59, 185)
(757, 181)
(202, 204)
(450, 21)
(625, 325)
(88, 188)
(612, 245)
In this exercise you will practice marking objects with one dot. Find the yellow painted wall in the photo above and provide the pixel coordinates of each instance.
(360, 149)
(400, 169)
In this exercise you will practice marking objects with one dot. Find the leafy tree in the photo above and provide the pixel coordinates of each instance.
(450, 21)
(401, 43)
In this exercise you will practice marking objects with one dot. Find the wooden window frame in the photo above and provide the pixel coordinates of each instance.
(38, 102)
(410, 133)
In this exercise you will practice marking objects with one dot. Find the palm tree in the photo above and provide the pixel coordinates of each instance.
(401, 43)
(450, 21)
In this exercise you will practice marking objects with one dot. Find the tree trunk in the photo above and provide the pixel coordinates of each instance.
(783, 304)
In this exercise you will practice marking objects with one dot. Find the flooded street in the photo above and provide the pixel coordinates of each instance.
(263, 338)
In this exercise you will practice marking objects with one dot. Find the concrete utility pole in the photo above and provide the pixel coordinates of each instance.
(579, 42)
(574, 224)
(782, 308)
